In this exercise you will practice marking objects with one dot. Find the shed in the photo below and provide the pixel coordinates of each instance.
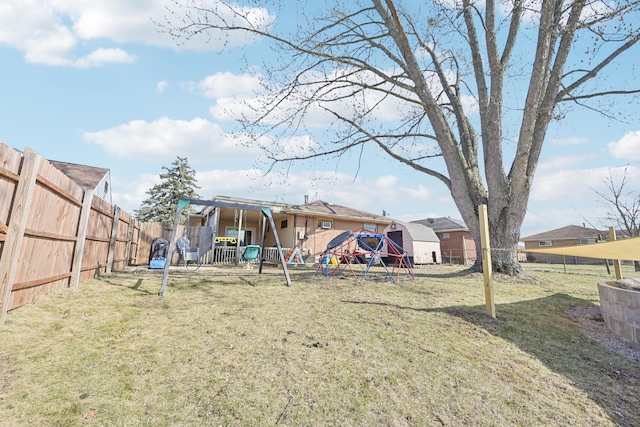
(419, 241)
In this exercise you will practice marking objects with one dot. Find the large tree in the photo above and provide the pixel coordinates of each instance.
(460, 90)
(176, 182)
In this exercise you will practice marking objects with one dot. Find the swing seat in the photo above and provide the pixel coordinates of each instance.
(250, 254)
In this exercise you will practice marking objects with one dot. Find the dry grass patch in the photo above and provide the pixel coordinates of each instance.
(227, 346)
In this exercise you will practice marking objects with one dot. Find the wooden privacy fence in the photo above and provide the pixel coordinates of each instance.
(53, 233)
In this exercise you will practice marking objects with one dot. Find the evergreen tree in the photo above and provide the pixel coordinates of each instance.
(177, 182)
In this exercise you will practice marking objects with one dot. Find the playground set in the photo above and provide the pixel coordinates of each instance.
(249, 255)
(357, 251)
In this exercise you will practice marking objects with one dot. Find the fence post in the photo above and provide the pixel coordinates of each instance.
(127, 251)
(112, 241)
(15, 228)
(616, 262)
(486, 260)
(83, 225)
(137, 232)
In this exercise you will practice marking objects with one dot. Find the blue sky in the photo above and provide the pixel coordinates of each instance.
(96, 83)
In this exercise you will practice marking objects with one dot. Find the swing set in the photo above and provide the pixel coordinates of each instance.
(267, 216)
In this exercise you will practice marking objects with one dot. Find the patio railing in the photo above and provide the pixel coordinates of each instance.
(227, 255)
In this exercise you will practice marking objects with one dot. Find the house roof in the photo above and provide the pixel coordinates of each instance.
(275, 207)
(443, 224)
(317, 208)
(324, 209)
(570, 232)
(87, 177)
(419, 232)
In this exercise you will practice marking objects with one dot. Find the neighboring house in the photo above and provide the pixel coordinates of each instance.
(419, 241)
(570, 235)
(308, 227)
(456, 244)
(91, 178)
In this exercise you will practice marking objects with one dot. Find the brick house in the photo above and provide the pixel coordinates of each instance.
(309, 227)
(571, 235)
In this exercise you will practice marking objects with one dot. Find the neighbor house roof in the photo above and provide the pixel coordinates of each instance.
(570, 232)
(87, 177)
(443, 224)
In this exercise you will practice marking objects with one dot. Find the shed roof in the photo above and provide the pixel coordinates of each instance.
(569, 232)
(87, 177)
(443, 224)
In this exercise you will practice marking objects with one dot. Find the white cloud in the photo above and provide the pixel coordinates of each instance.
(229, 85)
(569, 196)
(567, 185)
(566, 196)
(372, 195)
(337, 97)
(102, 56)
(129, 194)
(225, 182)
(162, 85)
(164, 139)
(53, 32)
(552, 217)
(562, 164)
(627, 147)
(243, 98)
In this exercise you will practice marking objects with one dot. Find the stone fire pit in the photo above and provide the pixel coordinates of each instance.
(620, 308)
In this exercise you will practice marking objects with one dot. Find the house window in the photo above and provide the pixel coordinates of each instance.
(370, 227)
(545, 243)
(246, 236)
(327, 225)
(445, 236)
(284, 223)
(587, 241)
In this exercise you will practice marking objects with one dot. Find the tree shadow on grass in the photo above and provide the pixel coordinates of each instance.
(542, 328)
(423, 272)
(135, 286)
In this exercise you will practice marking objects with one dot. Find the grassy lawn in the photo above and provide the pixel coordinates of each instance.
(227, 346)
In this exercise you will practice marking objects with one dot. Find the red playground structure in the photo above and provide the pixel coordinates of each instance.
(357, 251)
